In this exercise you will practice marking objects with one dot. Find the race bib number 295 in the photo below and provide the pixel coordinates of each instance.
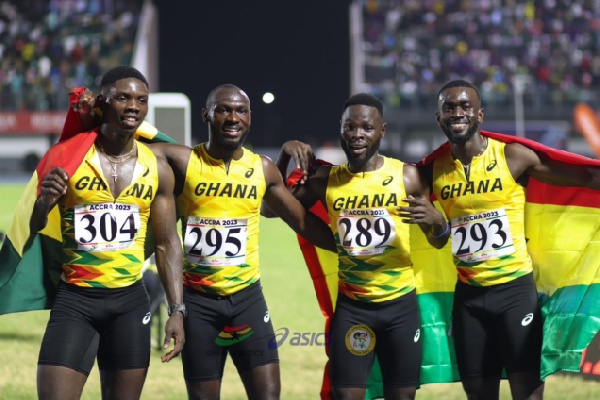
(105, 226)
(216, 242)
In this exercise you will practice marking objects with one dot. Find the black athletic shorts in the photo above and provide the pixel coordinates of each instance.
(238, 325)
(497, 326)
(389, 329)
(112, 324)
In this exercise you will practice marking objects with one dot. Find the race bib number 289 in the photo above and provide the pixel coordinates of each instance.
(482, 236)
(106, 226)
(365, 231)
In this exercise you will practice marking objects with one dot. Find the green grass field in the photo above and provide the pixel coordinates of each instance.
(292, 305)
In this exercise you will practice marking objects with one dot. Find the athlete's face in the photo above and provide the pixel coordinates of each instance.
(362, 128)
(228, 118)
(459, 114)
(125, 105)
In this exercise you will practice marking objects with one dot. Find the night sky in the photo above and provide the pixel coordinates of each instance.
(299, 51)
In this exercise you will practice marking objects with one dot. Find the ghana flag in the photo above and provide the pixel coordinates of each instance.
(562, 225)
(29, 272)
(435, 276)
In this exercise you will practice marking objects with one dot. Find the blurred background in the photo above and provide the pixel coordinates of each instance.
(534, 61)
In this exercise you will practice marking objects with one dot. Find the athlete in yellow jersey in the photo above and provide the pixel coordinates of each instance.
(220, 187)
(480, 184)
(101, 308)
(376, 311)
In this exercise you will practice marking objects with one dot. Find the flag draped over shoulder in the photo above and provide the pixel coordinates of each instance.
(435, 275)
(562, 226)
(29, 272)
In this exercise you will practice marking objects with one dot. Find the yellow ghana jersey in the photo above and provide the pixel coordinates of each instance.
(373, 242)
(220, 212)
(486, 214)
(103, 236)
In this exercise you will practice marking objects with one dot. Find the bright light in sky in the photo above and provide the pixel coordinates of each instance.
(268, 97)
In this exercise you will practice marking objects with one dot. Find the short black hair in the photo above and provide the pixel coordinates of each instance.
(121, 72)
(364, 99)
(210, 99)
(459, 83)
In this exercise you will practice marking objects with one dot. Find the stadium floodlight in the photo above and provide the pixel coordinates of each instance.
(268, 97)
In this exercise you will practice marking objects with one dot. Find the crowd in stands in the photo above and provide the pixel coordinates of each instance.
(412, 47)
(48, 47)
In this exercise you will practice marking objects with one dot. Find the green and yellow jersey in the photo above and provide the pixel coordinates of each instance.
(373, 242)
(220, 212)
(103, 236)
(486, 214)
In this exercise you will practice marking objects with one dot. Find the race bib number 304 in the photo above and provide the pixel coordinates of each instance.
(215, 242)
(365, 232)
(105, 226)
(483, 236)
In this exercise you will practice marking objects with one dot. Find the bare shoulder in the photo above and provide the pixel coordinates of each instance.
(519, 155)
(410, 171)
(415, 183)
(517, 150)
(320, 171)
(169, 150)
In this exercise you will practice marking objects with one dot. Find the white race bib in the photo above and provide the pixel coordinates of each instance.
(105, 226)
(483, 236)
(365, 232)
(216, 241)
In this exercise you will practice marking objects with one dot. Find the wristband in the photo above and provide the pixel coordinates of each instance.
(443, 233)
(177, 307)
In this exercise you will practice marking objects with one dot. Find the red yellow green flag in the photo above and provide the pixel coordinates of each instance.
(29, 272)
(563, 231)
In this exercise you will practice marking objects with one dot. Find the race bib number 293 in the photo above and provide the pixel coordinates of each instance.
(482, 236)
(105, 226)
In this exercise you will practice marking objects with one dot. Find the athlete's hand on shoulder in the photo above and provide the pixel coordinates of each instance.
(53, 187)
(420, 211)
(302, 154)
(173, 331)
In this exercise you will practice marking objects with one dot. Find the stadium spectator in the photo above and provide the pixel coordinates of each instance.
(48, 48)
(414, 46)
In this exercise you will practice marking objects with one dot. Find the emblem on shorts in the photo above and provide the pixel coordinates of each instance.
(360, 340)
(527, 320)
(146, 318)
(266, 317)
(417, 335)
(231, 335)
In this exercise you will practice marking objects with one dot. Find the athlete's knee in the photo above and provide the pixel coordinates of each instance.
(348, 393)
(122, 384)
(526, 386)
(59, 383)
(203, 390)
(482, 388)
(263, 382)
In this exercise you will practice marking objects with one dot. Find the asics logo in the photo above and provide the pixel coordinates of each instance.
(249, 173)
(146, 318)
(387, 180)
(491, 166)
(527, 320)
(266, 317)
(417, 335)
